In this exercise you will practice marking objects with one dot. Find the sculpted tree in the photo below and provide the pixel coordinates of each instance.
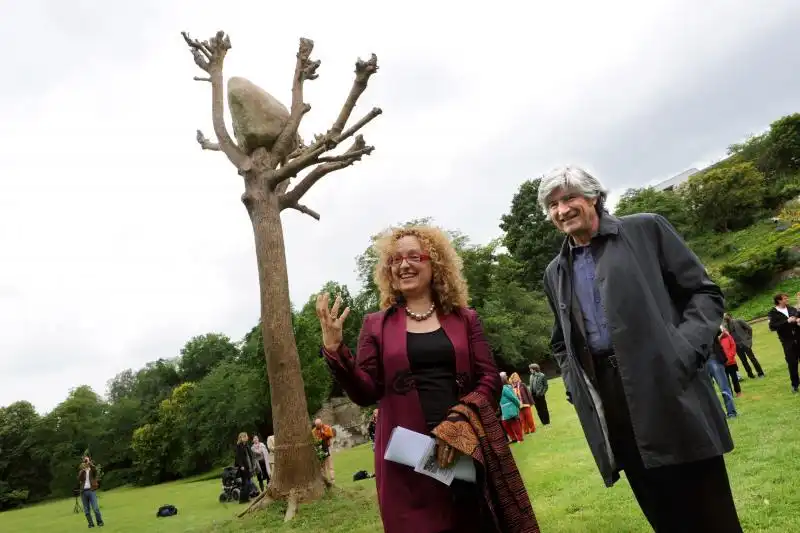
(268, 153)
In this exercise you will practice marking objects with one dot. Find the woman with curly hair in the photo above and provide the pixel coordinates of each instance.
(425, 358)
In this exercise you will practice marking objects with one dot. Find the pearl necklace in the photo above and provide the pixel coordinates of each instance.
(419, 317)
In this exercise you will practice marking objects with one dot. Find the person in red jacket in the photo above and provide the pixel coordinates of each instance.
(731, 368)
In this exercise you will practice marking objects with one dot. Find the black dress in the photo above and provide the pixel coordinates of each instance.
(432, 360)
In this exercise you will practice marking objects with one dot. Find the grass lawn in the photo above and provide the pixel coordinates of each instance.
(567, 492)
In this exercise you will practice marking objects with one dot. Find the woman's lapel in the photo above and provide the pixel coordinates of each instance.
(455, 327)
(394, 346)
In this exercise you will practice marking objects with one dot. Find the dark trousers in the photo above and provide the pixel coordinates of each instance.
(685, 498)
(791, 352)
(746, 352)
(261, 474)
(247, 486)
(732, 370)
(540, 402)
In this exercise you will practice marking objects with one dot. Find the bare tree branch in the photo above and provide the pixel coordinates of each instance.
(205, 144)
(374, 112)
(300, 207)
(353, 154)
(346, 156)
(305, 157)
(210, 56)
(304, 69)
(364, 69)
(200, 78)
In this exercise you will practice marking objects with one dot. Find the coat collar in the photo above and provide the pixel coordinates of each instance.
(609, 225)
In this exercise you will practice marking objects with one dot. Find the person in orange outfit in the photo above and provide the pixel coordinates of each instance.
(324, 434)
(526, 401)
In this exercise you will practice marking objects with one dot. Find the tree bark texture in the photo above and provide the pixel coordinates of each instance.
(297, 466)
(266, 171)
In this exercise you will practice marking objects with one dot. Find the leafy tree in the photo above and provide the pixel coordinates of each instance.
(122, 385)
(726, 198)
(153, 384)
(516, 321)
(781, 153)
(530, 237)
(73, 428)
(233, 398)
(121, 419)
(668, 204)
(202, 353)
(24, 473)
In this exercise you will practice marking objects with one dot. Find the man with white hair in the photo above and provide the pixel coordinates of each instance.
(635, 318)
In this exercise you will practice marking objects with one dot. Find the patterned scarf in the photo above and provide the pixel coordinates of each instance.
(472, 428)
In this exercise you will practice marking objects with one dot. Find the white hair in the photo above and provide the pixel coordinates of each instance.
(570, 178)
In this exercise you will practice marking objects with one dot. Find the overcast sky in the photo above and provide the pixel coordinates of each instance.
(120, 239)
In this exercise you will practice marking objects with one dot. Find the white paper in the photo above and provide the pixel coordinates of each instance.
(429, 466)
(415, 450)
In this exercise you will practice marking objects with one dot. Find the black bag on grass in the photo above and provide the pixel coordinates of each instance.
(166, 510)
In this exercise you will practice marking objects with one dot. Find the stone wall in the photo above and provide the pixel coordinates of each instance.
(347, 419)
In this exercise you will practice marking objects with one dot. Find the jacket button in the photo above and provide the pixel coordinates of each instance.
(562, 306)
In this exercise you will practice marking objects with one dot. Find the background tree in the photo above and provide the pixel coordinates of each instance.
(202, 353)
(530, 237)
(516, 321)
(267, 163)
(24, 474)
(668, 204)
(73, 428)
(726, 198)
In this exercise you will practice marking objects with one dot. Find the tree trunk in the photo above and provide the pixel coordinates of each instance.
(296, 463)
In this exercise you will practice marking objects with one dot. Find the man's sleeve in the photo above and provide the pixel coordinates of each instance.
(683, 270)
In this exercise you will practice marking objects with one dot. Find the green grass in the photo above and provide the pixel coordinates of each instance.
(564, 485)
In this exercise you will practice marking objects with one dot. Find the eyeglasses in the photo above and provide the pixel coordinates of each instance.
(412, 258)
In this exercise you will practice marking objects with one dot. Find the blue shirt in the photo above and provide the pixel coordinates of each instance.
(585, 287)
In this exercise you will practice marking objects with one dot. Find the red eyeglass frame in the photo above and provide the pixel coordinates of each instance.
(422, 259)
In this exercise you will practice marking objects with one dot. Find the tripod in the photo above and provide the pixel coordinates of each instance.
(78, 507)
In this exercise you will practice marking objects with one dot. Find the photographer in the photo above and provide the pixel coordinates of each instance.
(87, 482)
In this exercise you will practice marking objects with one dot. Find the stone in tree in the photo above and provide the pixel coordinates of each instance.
(268, 153)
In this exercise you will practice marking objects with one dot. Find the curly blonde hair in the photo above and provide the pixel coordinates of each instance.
(448, 283)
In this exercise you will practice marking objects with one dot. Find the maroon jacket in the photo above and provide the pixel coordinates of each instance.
(380, 372)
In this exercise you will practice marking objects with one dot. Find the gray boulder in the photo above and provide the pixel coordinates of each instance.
(258, 117)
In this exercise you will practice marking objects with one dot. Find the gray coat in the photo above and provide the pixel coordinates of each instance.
(663, 313)
(741, 331)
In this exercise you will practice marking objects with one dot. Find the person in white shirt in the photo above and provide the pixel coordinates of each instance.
(785, 321)
(87, 480)
(262, 458)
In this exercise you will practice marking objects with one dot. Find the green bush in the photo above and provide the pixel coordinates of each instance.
(13, 498)
(757, 269)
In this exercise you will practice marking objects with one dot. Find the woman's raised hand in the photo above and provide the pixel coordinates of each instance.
(331, 322)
